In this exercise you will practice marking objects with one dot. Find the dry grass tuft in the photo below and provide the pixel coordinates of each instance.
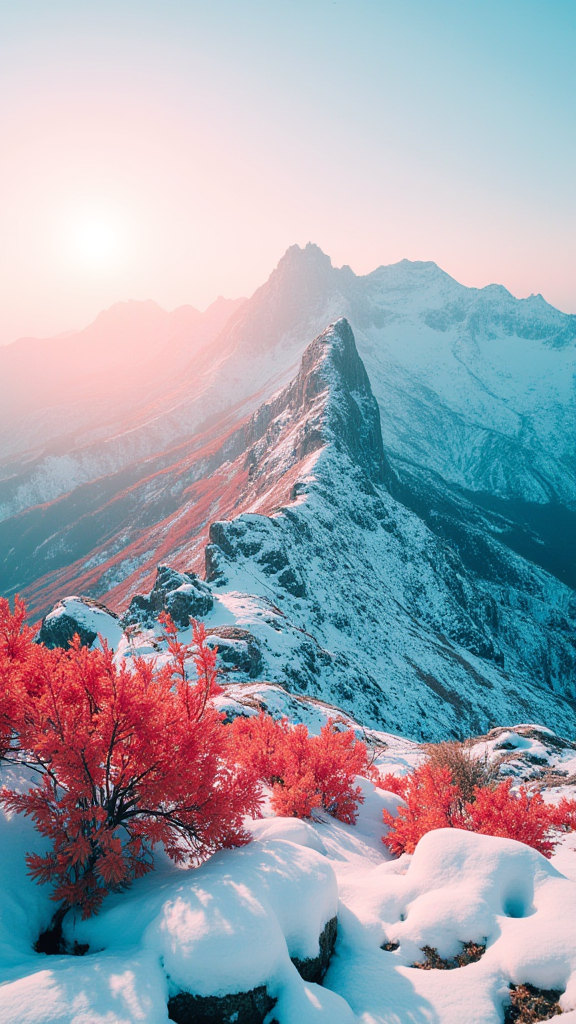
(529, 1004)
(466, 770)
(471, 952)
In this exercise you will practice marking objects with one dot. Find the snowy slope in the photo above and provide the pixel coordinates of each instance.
(322, 580)
(234, 924)
(60, 395)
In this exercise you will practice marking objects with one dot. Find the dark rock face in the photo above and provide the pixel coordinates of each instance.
(182, 594)
(58, 630)
(238, 649)
(240, 1008)
(250, 1007)
(314, 968)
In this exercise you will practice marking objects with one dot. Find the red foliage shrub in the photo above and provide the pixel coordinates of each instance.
(394, 784)
(16, 653)
(564, 815)
(433, 801)
(499, 812)
(129, 758)
(303, 771)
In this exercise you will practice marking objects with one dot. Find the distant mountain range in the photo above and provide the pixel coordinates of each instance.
(388, 502)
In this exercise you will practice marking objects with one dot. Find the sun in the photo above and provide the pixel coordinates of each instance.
(96, 241)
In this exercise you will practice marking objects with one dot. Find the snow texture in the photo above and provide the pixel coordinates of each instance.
(234, 923)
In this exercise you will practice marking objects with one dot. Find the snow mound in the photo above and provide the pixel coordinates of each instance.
(458, 887)
(234, 924)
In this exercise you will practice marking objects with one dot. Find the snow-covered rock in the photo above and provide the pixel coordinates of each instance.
(183, 595)
(83, 616)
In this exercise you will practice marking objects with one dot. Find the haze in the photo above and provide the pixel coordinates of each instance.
(174, 150)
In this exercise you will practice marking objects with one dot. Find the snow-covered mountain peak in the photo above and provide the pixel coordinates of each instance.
(352, 417)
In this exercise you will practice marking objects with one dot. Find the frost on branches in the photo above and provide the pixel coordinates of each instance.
(126, 759)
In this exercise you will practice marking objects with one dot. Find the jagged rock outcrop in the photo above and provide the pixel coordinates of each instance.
(182, 594)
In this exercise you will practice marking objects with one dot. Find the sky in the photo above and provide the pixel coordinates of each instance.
(174, 149)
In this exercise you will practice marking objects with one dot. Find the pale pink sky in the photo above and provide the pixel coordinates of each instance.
(174, 150)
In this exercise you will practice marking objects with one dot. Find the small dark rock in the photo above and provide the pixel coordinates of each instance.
(314, 968)
(238, 649)
(239, 1008)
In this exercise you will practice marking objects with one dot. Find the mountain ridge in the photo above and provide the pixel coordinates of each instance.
(323, 581)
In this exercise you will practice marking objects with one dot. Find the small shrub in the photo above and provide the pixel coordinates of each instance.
(499, 812)
(470, 954)
(529, 1004)
(393, 784)
(467, 772)
(303, 771)
(434, 801)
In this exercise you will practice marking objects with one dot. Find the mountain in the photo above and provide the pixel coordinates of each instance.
(320, 578)
(473, 384)
(474, 389)
(74, 393)
(400, 488)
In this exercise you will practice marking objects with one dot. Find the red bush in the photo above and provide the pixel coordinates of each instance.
(16, 654)
(499, 812)
(129, 758)
(303, 771)
(433, 801)
(393, 784)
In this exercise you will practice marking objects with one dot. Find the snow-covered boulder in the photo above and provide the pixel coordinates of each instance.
(89, 619)
(238, 650)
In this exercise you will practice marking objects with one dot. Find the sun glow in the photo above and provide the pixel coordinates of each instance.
(96, 241)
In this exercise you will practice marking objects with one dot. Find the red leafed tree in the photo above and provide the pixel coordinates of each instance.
(434, 801)
(303, 771)
(16, 655)
(130, 757)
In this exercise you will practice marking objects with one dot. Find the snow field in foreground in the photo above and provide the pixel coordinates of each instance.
(233, 924)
